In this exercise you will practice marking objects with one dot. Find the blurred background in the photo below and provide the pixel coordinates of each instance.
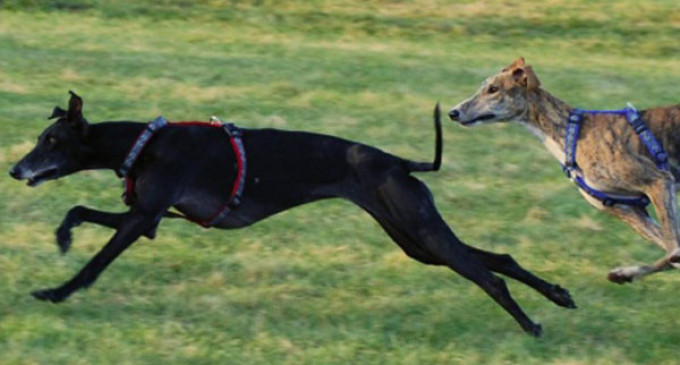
(322, 284)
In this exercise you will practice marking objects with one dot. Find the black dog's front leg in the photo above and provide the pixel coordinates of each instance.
(79, 214)
(131, 226)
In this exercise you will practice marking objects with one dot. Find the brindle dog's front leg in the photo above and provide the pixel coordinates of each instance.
(79, 214)
(131, 226)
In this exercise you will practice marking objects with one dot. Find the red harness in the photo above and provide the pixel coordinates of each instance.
(236, 143)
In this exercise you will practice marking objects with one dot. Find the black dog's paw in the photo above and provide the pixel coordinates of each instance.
(63, 239)
(561, 297)
(51, 295)
(534, 329)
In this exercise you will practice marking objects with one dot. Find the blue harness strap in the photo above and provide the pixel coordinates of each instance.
(653, 146)
(570, 139)
(570, 143)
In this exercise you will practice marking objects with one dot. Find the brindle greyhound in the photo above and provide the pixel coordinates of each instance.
(611, 159)
(182, 167)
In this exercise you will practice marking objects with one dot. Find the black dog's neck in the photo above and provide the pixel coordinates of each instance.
(110, 142)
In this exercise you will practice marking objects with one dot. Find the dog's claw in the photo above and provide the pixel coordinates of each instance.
(562, 297)
(63, 239)
(51, 295)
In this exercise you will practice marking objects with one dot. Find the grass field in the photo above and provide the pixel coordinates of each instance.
(322, 284)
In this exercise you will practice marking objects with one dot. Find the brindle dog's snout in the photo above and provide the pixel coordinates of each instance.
(454, 114)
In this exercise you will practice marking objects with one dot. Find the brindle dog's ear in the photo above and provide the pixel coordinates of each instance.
(519, 76)
(532, 80)
(57, 113)
(526, 77)
(519, 63)
(74, 115)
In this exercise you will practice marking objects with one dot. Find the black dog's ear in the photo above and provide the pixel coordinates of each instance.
(74, 115)
(57, 113)
(75, 107)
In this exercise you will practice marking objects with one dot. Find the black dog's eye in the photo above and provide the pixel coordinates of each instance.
(52, 141)
(492, 89)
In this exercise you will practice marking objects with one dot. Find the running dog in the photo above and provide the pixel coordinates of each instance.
(625, 159)
(227, 177)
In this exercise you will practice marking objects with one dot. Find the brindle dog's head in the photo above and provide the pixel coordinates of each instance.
(60, 147)
(502, 97)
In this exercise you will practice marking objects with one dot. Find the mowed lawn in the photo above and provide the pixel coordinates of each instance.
(322, 284)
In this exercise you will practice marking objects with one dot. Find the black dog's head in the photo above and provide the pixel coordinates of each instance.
(60, 147)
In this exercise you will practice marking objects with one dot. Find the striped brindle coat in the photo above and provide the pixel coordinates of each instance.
(610, 156)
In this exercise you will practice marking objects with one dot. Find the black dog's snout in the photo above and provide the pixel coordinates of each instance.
(454, 114)
(14, 172)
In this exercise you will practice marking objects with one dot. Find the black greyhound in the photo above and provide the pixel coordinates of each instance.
(183, 166)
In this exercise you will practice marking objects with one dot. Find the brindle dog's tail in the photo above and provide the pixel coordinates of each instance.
(438, 147)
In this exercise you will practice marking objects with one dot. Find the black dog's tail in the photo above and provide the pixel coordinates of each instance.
(438, 147)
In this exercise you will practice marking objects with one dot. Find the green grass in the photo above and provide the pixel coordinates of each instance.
(322, 284)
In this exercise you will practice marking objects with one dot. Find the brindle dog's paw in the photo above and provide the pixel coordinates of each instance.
(561, 297)
(674, 258)
(621, 276)
(48, 295)
(63, 239)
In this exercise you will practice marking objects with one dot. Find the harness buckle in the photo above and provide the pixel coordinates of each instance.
(575, 118)
(567, 170)
(661, 157)
(638, 125)
(608, 202)
(234, 203)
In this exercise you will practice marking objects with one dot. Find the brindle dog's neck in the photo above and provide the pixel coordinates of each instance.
(546, 117)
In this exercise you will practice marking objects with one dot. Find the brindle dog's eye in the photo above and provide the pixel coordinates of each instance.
(492, 89)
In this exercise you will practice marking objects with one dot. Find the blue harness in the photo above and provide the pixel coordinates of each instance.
(646, 136)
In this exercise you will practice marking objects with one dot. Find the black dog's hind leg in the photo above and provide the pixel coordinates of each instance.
(500, 263)
(506, 265)
(445, 245)
(405, 205)
(130, 227)
(79, 214)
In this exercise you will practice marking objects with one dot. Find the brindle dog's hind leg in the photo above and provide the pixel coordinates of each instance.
(661, 192)
(640, 221)
(663, 196)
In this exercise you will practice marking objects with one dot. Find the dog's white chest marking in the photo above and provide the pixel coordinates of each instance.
(553, 147)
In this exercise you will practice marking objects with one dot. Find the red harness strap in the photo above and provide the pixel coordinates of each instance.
(239, 151)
